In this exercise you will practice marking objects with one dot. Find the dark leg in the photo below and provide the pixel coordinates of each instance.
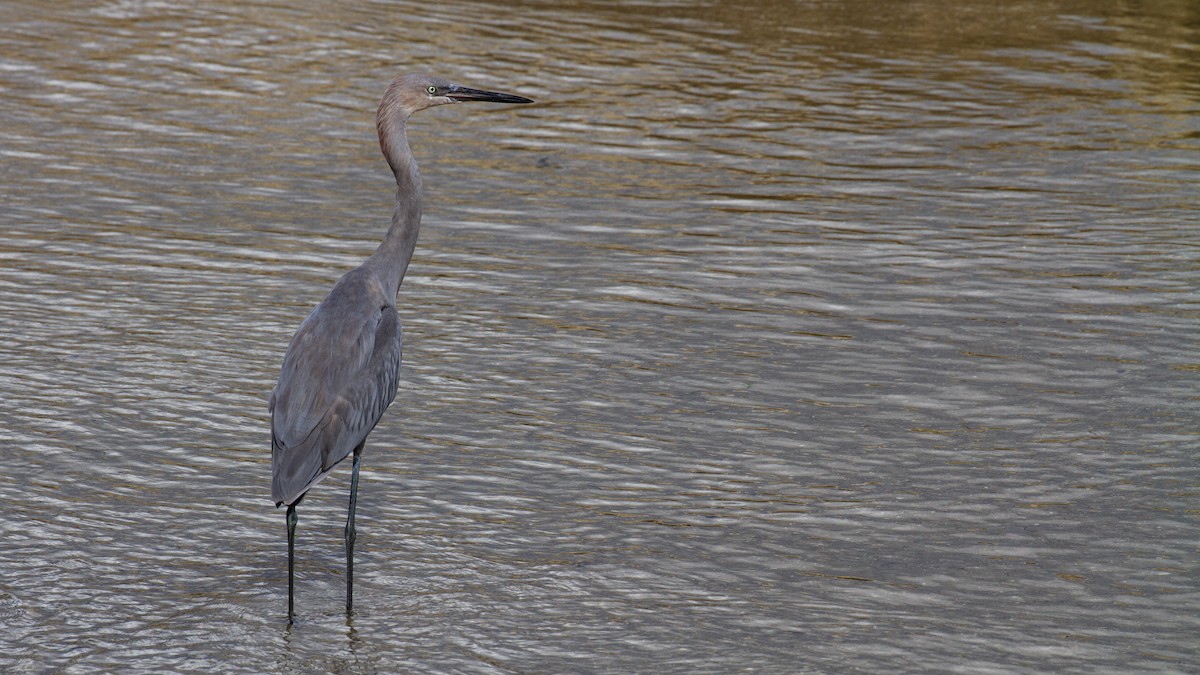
(291, 525)
(350, 532)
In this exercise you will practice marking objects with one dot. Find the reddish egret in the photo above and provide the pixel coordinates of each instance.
(341, 369)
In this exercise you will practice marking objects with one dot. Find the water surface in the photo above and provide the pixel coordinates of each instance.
(787, 337)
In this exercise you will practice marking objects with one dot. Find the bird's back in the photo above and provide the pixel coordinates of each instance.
(340, 373)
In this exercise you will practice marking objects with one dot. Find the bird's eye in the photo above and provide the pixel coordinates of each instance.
(432, 90)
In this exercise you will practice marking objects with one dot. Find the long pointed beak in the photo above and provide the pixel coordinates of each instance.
(467, 94)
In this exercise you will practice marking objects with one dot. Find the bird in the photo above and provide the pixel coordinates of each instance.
(342, 367)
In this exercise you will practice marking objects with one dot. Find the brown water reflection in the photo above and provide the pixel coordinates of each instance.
(785, 336)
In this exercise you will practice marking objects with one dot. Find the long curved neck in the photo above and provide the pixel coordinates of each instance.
(390, 260)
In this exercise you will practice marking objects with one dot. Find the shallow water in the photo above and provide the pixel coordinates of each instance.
(790, 337)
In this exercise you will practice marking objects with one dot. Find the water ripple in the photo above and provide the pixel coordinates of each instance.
(775, 337)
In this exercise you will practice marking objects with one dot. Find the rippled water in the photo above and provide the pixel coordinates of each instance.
(780, 336)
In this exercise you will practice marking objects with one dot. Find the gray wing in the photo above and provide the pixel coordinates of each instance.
(340, 373)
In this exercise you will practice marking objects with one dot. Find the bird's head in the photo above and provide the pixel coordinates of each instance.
(416, 91)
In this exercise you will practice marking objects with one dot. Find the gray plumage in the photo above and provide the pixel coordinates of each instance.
(339, 375)
(342, 368)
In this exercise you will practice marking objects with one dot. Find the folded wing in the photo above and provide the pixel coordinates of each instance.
(339, 375)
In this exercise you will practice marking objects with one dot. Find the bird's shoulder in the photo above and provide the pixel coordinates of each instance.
(352, 310)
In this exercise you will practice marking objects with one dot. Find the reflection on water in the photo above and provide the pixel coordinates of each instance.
(802, 336)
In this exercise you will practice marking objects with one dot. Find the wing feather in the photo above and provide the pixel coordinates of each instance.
(339, 375)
